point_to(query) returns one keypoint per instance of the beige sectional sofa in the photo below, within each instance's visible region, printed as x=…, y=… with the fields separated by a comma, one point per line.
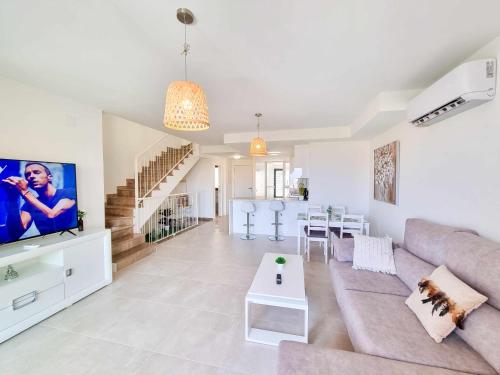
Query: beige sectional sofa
x=386, y=335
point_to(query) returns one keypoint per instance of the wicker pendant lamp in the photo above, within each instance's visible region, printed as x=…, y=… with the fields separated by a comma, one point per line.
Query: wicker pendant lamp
x=185, y=104
x=258, y=145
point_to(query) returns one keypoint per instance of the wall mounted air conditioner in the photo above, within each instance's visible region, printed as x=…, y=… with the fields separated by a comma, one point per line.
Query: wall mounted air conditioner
x=468, y=85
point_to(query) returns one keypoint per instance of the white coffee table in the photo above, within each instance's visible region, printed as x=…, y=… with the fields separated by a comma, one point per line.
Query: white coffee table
x=290, y=294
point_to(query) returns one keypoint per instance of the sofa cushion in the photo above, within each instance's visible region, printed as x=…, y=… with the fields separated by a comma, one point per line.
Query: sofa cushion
x=344, y=277
x=382, y=325
x=298, y=359
x=373, y=254
x=476, y=261
x=425, y=239
x=482, y=333
x=411, y=268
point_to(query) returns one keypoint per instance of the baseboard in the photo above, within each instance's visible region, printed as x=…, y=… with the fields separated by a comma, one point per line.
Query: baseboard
x=205, y=219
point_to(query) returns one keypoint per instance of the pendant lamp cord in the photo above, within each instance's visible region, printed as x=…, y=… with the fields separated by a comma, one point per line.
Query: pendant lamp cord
x=186, y=49
x=258, y=124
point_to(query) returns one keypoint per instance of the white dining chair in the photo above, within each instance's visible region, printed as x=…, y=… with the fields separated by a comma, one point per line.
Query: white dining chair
x=351, y=224
x=314, y=208
x=317, y=231
x=338, y=211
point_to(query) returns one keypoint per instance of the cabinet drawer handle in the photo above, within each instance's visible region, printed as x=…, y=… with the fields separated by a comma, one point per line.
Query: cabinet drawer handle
x=25, y=300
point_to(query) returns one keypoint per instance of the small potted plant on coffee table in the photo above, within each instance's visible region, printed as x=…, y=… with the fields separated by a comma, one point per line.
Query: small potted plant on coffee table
x=280, y=261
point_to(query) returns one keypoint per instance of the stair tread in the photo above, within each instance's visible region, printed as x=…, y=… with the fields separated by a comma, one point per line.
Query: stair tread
x=121, y=227
x=120, y=230
x=131, y=251
x=120, y=206
x=128, y=237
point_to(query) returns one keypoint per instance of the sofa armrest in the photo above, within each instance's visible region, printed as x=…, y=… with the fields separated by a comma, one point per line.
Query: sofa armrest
x=343, y=249
x=297, y=359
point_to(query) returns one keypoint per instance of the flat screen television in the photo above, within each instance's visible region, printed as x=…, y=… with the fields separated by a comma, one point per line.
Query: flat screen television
x=36, y=198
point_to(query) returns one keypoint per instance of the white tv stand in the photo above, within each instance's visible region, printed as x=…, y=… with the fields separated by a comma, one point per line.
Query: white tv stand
x=60, y=271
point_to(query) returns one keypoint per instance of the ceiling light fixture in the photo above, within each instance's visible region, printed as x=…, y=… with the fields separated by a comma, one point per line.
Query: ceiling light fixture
x=258, y=145
x=185, y=104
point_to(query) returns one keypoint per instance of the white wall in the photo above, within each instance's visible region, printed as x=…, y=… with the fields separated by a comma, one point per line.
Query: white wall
x=338, y=173
x=223, y=164
x=39, y=126
x=449, y=172
x=123, y=140
x=201, y=181
x=301, y=158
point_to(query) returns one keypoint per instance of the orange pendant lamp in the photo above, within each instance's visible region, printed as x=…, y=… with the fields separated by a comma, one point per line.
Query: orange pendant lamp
x=186, y=106
x=258, y=145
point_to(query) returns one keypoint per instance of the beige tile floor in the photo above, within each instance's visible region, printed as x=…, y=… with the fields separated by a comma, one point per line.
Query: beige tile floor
x=178, y=311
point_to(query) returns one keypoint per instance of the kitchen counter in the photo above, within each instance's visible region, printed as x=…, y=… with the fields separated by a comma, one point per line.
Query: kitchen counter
x=263, y=216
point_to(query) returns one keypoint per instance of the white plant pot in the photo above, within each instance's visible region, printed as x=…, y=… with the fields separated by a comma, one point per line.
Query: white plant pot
x=280, y=267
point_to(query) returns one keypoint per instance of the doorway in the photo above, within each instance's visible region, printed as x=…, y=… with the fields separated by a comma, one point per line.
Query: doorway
x=216, y=190
x=278, y=183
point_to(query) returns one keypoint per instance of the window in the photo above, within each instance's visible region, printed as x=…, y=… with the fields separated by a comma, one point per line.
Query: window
x=275, y=179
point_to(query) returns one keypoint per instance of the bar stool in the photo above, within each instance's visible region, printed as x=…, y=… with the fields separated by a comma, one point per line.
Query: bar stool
x=248, y=208
x=277, y=207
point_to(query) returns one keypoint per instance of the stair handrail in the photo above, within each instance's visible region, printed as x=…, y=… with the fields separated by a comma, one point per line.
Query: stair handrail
x=148, y=156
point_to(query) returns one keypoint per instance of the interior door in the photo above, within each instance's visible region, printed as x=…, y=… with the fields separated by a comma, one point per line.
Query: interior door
x=243, y=181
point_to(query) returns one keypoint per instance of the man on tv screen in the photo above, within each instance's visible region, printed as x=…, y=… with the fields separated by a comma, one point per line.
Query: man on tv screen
x=50, y=209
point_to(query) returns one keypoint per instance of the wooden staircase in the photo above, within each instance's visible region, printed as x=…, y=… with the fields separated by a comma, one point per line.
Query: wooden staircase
x=127, y=246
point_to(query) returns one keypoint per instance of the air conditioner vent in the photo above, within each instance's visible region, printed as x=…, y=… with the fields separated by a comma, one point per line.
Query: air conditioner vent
x=422, y=121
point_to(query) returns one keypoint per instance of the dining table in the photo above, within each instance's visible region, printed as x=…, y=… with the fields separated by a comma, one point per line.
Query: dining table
x=334, y=221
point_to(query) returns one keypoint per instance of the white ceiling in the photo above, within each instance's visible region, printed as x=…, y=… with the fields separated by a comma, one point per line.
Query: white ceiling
x=301, y=63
